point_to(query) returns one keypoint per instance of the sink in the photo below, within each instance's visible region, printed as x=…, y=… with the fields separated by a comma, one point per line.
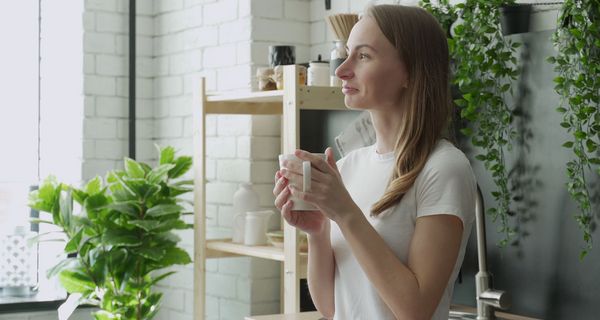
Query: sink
x=460, y=315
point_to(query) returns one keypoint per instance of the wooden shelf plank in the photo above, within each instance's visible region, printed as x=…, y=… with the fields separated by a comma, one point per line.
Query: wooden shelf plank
x=243, y=107
x=270, y=102
x=222, y=248
x=321, y=98
x=246, y=96
x=265, y=252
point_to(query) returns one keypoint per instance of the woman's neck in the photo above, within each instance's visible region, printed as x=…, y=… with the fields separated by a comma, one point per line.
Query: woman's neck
x=386, y=125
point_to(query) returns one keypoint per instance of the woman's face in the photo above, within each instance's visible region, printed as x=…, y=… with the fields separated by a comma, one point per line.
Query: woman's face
x=373, y=76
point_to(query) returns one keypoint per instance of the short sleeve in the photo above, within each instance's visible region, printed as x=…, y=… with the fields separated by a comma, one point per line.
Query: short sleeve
x=446, y=185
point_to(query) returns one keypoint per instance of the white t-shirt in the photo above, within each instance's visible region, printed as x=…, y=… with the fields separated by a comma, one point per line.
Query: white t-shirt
x=446, y=185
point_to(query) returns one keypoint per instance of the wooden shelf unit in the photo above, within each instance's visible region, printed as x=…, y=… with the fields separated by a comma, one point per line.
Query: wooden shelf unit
x=287, y=103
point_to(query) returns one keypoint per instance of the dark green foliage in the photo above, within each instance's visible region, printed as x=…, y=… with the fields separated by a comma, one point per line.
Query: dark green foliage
x=485, y=67
x=577, y=64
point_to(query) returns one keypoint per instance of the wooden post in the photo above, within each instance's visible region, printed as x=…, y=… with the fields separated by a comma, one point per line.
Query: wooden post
x=199, y=141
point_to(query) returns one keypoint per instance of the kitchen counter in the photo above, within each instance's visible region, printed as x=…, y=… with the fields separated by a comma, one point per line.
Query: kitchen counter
x=314, y=315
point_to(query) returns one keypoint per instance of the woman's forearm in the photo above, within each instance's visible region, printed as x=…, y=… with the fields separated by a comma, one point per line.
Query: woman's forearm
x=321, y=270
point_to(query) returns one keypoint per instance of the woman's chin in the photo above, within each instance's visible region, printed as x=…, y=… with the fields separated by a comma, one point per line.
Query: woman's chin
x=352, y=103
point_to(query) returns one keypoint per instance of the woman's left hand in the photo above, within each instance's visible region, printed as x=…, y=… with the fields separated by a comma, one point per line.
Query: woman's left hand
x=327, y=192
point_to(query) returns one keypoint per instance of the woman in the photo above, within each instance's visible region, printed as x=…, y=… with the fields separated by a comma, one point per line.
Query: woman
x=389, y=237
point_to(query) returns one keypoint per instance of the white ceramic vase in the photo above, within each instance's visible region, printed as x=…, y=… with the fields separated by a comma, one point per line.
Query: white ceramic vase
x=244, y=199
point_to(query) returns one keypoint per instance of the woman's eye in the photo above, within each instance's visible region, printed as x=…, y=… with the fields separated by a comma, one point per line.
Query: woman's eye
x=362, y=56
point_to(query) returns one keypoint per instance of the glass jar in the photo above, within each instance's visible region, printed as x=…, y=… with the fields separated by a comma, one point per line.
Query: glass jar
x=278, y=76
x=337, y=57
x=265, y=79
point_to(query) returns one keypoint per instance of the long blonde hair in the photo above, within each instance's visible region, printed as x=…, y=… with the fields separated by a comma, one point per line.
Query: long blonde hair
x=422, y=46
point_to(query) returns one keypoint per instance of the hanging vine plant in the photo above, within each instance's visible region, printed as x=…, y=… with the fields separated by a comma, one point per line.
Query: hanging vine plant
x=486, y=66
x=577, y=64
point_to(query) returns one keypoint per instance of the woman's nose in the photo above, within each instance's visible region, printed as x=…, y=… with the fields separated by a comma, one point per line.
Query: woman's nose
x=344, y=70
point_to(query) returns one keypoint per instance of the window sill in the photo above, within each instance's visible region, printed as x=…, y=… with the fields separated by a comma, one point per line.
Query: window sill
x=42, y=301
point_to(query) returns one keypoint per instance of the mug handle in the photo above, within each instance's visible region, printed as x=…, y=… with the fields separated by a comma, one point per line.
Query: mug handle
x=306, y=176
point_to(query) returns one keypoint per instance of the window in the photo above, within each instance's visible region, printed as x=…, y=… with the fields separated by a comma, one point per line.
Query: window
x=41, y=119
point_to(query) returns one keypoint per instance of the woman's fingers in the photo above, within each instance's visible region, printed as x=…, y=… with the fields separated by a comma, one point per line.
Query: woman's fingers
x=282, y=198
x=316, y=161
x=294, y=171
x=280, y=183
x=286, y=212
x=292, y=177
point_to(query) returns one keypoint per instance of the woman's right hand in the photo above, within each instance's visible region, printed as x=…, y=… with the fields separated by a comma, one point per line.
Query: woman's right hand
x=311, y=222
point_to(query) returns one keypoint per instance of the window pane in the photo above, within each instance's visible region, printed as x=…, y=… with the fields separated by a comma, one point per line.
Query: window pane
x=18, y=91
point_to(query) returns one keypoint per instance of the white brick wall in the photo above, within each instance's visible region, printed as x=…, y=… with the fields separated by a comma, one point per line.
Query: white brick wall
x=106, y=84
x=224, y=41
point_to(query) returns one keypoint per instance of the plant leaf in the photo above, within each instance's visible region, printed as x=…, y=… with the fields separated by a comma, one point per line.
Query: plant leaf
x=160, y=173
x=155, y=254
x=75, y=281
x=134, y=169
x=93, y=186
x=175, y=255
x=120, y=238
x=167, y=155
x=147, y=225
x=182, y=165
x=163, y=209
x=130, y=208
x=73, y=243
x=105, y=315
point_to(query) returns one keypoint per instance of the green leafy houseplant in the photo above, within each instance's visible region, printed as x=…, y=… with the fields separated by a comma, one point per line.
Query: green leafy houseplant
x=485, y=66
x=122, y=236
x=577, y=64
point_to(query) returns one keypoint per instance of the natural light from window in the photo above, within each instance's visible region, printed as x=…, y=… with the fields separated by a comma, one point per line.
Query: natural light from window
x=41, y=114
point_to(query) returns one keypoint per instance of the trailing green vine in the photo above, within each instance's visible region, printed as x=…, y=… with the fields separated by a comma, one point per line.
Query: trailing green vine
x=485, y=68
x=443, y=12
x=577, y=64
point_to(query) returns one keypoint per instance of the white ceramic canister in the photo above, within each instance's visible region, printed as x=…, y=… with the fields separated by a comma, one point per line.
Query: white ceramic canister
x=318, y=73
x=244, y=199
x=255, y=233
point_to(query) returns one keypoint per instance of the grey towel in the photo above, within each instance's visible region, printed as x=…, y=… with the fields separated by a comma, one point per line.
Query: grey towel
x=358, y=134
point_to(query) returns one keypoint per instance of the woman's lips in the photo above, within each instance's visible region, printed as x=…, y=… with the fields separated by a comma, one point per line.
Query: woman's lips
x=349, y=90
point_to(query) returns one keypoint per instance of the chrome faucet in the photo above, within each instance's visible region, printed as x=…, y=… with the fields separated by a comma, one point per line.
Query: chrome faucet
x=487, y=298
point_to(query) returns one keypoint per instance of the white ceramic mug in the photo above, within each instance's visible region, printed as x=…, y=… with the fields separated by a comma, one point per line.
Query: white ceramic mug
x=300, y=205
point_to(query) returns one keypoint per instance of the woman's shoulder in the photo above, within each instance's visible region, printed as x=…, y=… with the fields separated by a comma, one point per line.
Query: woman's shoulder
x=446, y=150
x=447, y=158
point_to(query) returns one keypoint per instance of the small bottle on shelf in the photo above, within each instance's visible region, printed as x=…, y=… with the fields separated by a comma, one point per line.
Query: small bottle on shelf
x=338, y=56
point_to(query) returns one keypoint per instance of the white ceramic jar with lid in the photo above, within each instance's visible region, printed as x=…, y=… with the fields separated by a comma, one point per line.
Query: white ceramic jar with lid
x=255, y=233
x=318, y=73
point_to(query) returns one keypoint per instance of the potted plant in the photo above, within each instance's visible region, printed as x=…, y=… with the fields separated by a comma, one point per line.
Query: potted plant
x=577, y=64
x=515, y=18
x=444, y=12
x=485, y=66
x=122, y=236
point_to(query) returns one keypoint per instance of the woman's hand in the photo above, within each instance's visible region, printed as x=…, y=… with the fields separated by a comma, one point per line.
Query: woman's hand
x=311, y=222
x=328, y=192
